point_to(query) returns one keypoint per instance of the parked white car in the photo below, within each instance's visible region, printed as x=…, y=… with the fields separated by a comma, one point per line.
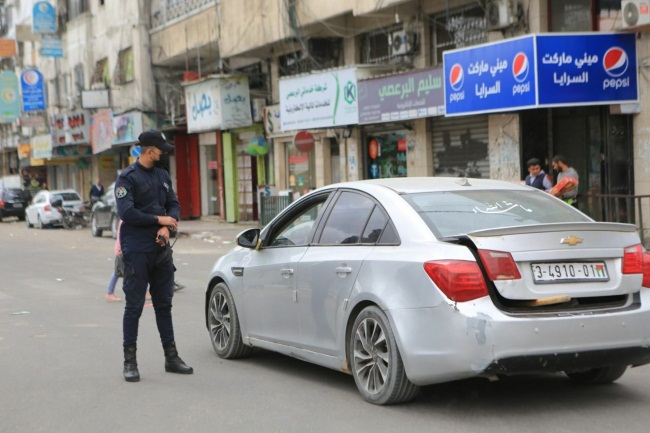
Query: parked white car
x=407, y=282
x=41, y=213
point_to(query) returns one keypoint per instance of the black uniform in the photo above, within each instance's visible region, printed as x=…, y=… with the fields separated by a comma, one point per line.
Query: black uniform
x=142, y=194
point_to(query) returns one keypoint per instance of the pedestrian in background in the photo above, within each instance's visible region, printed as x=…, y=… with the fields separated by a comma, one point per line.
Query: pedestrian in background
x=537, y=177
x=96, y=191
x=570, y=194
x=149, y=209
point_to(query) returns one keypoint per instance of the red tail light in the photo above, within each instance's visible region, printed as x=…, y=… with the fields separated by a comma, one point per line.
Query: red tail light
x=2, y=203
x=47, y=208
x=646, y=269
x=633, y=260
x=459, y=280
x=499, y=265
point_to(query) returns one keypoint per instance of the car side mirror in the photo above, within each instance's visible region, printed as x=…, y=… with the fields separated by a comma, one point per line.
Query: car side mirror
x=249, y=238
x=56, y=202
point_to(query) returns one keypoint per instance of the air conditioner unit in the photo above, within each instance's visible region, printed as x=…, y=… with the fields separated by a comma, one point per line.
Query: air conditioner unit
x=400, y=43
x=500, y=14
x=635, y=12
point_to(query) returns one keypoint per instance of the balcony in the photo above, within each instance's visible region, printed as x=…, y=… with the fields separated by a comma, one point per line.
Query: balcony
x=166, y=12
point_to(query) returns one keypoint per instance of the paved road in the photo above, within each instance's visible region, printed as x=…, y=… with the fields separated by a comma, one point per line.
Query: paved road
x=61, y=363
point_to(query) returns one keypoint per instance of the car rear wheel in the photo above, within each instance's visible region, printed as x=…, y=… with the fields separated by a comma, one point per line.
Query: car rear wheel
x=376, y=364
x=223, y=323
x=96, y=232
x=598, y=375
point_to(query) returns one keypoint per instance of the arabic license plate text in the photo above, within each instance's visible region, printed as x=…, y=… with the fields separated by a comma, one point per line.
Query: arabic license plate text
x=544, y=273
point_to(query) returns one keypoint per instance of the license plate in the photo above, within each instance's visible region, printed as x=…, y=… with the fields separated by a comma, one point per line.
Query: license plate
x=545, y=273
x=18, y=205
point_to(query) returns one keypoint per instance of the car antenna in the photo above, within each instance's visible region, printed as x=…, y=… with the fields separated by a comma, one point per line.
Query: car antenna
x=463, y=181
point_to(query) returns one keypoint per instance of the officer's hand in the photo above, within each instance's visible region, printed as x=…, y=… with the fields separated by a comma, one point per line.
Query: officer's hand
x=162, y=236
x=167, y=221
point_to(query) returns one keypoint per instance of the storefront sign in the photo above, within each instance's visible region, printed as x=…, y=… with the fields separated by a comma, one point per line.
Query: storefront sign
x=218, y=103
x=71, y=128
x=587, y=69
x=7, y=47
x=272, y=126
x=51, y=46
x=33, y=90
x=41, y=146
x=319, y=100
x=542, y=71
x=402, y=97
x=128, y=127
x=9, y=97
x=44, y=18
x=491, y=77
x=101, y=131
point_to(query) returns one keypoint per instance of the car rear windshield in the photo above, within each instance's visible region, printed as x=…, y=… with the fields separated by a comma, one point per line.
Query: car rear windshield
x=66, y=196
x=12, y=194
x=461, y=212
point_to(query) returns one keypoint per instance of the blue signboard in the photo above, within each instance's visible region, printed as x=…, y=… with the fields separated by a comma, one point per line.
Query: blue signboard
x=9, y=97
x=587, y=69
x=492, y=77
x=51, y=46
x=44, y=18
x=542, y=71
x=33, y=90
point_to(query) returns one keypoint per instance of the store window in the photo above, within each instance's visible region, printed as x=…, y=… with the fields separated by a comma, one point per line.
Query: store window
x=584, y=15
x=387, y=155
x=301, y=170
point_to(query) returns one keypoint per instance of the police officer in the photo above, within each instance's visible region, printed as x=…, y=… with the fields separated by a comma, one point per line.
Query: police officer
x=149, y=209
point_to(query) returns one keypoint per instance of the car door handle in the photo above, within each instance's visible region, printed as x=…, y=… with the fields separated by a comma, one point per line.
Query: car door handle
x=344, y=270
x=286, y=272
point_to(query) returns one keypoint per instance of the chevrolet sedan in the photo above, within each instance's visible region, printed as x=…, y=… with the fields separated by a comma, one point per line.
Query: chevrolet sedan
x=408, y=282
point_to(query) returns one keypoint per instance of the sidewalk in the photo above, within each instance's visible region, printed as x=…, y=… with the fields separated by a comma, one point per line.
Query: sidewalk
x=213, y=228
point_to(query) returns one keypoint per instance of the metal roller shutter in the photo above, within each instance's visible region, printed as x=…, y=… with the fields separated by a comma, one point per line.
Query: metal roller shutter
x=460, y=146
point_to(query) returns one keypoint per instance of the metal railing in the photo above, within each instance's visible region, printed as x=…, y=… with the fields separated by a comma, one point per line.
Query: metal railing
x=621, y=208
x=272, y=205
x=166, y=11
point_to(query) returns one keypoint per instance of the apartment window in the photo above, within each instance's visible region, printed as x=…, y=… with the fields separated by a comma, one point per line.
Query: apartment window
x=79, y=82
x=101, y=74
x=124, y=72
x=76, y=8
x=458, y=29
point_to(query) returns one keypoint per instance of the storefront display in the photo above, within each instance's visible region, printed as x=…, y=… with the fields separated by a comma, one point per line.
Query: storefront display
x=387, y=155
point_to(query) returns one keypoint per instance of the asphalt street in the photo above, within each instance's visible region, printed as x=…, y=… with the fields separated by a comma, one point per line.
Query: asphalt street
x=61, y=362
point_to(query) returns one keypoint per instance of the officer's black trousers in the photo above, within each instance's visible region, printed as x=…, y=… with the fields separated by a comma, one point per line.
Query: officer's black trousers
x=142, y=271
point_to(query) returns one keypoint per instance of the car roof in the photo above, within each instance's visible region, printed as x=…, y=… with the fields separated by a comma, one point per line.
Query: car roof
x=411, y=185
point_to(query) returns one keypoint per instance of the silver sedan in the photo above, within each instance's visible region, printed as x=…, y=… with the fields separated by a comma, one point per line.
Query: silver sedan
x=414, y=281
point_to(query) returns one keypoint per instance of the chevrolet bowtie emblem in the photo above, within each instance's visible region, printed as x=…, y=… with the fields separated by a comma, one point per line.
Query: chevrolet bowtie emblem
x=571, y=240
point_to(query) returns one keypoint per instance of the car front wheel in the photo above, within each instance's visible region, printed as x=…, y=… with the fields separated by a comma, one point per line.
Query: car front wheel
x=376, y=364
x=597, y=376
x=223, y=323
x=96, y=232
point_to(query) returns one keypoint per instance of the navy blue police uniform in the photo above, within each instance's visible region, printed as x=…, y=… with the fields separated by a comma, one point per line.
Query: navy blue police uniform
x=142, y=194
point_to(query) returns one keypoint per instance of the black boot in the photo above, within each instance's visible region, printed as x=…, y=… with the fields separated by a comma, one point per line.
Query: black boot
x=174, y=364
x=131, y=373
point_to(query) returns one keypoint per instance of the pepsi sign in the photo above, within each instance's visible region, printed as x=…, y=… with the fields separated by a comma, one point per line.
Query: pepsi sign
x=587, y=69
x=491, y=77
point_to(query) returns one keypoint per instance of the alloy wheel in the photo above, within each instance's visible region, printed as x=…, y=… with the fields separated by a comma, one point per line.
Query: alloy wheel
x=371, y=355
x=220, y=320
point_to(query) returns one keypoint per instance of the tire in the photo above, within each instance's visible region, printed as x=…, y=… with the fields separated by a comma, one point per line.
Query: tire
x=597, y=376
x=223, y=324
x=93, y=227
x=375, y=361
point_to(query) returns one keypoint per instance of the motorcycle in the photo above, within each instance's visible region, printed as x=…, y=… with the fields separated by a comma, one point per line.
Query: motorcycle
x=77, y=215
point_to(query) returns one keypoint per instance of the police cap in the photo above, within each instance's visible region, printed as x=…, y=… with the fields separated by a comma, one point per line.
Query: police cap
x=156, y=139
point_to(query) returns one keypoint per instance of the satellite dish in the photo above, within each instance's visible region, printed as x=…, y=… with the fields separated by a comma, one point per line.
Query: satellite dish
x=631, y=14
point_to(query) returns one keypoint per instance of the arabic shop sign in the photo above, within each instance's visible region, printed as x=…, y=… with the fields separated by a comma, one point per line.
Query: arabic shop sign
x=33, y=90
x=402, y=97
x=71, y=128
x=9, y=97
x=128, y=127
x=218, y=103
x=319, y=100
x=44, y=18
x=542, y=71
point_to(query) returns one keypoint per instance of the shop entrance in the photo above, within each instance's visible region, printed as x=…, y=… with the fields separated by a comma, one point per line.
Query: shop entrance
x=598, y=145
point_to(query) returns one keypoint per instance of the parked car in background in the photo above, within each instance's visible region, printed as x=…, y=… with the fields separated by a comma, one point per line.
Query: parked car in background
x=407, y=282
x=13, y=202
x=104, y=214
x=41, y=213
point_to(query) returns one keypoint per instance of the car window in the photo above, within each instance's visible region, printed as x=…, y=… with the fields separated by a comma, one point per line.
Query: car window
x=69, y=196
x=375, y=226
x=346, y=223
x=298, y=229
x=12, y=194
x=452, y=213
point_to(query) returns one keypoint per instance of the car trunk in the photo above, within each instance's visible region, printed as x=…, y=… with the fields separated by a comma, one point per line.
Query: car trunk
x=562, y=266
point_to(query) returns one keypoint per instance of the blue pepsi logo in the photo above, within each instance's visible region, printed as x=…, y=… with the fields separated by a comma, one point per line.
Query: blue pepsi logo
x=615, y=62
x=456, y=77
x=520, y=67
